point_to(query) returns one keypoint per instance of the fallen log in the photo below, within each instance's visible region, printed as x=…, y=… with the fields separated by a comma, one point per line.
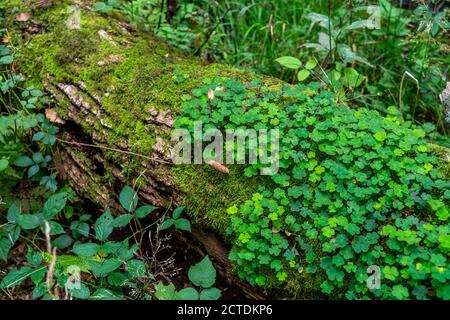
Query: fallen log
x=115, y=101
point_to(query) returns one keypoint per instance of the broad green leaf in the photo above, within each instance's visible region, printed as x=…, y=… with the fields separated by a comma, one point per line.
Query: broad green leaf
x=163, y=292
x=352, y=78
x=104, y=294
x=123, y=220
x=28, y=221
x=5, y=246
x=104, y=226
x=23, y=161
x=15, y=277
x=443, y=292
x=81, y=228
x=86, y=249
x=310, y=64
x=186, y=294
x=34, y=258
x=13, y=213
x=302, y=75
x=62, y=241
x=144, y=211
x=203, y=274
x=117, y=279
x=400, y=292
x=166, y=224
x=177, y=212
x=105, y=267
x=136, y=269
x=289, y=62
x=4, y=163
x=380, y=135
x=54, y=205
x=39, y=290
x=33, y=170
x=210, y=294
x=128, y=199
x=6, y=60
x=55, y=228
x=80, y=291
x=183, y=224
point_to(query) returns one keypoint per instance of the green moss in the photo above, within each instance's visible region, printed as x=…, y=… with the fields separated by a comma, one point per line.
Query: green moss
x=443, y=155
x=207, y=193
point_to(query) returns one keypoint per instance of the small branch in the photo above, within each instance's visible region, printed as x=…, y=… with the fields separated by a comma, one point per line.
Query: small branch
x=112, y=149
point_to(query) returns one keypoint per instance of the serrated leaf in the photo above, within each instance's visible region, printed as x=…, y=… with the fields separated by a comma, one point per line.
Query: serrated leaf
x=13, y=213
x=128, y=199
x=203, y=274
x=117, y=279
x=15, y=277
x=186, y=294
x=28, y=221
x=104, y=226
x=5, y=246
x=163, y=292
x=80, y=291
x=122, y=220
x=103, y=268
x=54, y=205
x=210, y=294
x=104, y=294
x=55, y=228
x=86, y=249
x=144, y=211
x=136, y=269
x=62, y=241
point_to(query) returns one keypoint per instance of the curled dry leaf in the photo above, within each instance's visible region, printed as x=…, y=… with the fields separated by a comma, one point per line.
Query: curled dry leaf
x=219, y=167
x=53, y=117
x=22, y=16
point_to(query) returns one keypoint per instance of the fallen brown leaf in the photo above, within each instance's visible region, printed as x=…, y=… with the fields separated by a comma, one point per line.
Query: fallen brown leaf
x=52, y=116
x=219, y=167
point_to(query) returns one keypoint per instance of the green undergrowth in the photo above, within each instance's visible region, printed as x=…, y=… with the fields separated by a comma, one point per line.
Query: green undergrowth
x=147, y=74
x=354, y=190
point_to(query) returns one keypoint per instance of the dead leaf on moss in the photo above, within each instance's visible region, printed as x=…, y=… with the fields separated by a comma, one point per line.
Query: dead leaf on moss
x=219, y=167
x=53, y=116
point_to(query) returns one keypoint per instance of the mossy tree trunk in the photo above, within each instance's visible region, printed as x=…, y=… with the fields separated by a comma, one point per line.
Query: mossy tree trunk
x=115, y=99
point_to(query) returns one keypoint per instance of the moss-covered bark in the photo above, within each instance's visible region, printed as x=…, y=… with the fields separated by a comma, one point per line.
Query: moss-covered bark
x=114, y=87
